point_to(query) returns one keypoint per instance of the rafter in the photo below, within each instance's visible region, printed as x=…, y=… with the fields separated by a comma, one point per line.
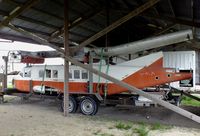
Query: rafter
x=27, y=19
x=171, y=7
x=165, y=29
x=17, y=11
x=33, y=30
x=119, y=22
x=76, y=22
x=35, y=9
x=174, y=20
x=128, y=5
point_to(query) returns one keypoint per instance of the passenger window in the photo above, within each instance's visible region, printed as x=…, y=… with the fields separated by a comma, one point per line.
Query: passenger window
x=76, y=74
x=41, y=73
x=84, y=74
x=70, y=74
x=55, y=73
x=48, y=73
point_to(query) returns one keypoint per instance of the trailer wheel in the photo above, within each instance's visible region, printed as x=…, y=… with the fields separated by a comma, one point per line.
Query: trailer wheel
x=72, y=105
x=88, y=106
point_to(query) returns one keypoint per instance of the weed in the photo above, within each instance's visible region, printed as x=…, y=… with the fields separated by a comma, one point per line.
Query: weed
x=158, y=126
x=141, y=130
x=121, y=125
x=189, y=101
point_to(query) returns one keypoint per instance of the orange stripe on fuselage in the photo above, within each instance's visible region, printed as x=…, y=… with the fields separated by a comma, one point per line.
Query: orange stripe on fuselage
x=145, y=77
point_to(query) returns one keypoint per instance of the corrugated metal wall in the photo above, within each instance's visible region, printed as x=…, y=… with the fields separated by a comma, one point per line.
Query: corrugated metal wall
x=184, y=60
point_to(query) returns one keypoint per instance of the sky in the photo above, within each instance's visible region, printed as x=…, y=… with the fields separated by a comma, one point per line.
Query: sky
x=6, y=46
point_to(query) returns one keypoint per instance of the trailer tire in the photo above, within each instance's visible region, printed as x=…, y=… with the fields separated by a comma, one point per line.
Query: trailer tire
x=72, y=105
x=89, y=106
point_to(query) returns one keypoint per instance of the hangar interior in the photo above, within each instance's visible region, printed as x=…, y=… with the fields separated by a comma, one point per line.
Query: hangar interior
x=99, y=23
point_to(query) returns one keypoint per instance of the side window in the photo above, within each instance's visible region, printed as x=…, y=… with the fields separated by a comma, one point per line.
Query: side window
x=41, y=73
x=55, y=73
x=84, y=74
x=76, y=74
x=48, y=73
x=70, y=74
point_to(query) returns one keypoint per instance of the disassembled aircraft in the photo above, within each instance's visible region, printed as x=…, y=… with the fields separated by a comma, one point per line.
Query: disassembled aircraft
x=88, y=90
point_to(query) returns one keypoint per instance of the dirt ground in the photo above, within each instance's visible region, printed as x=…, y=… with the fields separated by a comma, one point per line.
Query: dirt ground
x=42, y=118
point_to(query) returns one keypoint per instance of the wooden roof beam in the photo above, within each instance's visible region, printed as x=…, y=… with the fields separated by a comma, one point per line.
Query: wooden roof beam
x=171, y=8
x=35, y=9
x=75, y=23
x=117, y=23
x=174, y=20
x=17, y=11
x=164, y=29
x=27, y=19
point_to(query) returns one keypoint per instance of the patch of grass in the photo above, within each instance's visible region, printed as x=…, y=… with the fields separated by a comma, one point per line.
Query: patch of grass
x=190, y=102
x=10, y=86
x=124, y=126
x=158, y=126
x=141, y=130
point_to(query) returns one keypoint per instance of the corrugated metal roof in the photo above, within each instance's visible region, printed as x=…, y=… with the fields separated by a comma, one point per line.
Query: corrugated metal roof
x=45, y=18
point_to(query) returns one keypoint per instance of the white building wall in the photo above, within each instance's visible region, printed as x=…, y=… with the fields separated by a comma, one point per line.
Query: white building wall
x=183, y=60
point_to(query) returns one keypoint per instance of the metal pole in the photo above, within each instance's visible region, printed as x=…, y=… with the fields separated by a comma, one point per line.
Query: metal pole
x=66, y=65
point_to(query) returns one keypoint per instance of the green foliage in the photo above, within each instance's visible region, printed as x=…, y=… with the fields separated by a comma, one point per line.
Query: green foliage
x=124, y=126
x=141, y=130
x=190, y=102
x=158, y=126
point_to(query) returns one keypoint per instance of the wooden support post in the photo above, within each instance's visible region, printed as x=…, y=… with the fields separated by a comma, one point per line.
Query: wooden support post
x=90, y=73
x=66, y=50
x=5, y=58
x=31, y=86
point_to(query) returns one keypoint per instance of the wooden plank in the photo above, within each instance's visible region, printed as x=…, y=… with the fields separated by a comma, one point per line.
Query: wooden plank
x=119, y=22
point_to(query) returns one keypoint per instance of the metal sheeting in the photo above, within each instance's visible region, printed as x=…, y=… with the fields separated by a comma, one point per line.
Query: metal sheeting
x=45, y=18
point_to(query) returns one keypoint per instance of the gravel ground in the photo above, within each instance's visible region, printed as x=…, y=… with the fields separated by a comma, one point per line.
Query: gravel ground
x=42, y=118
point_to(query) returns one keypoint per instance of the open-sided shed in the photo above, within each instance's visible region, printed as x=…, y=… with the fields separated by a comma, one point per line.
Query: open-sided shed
x=95, y=23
